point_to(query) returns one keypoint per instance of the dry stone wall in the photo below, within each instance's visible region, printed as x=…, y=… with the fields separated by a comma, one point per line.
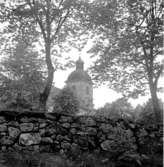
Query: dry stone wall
x=72, y=134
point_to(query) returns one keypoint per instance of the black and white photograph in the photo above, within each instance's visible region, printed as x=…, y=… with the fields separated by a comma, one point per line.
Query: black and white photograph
x=81, y=83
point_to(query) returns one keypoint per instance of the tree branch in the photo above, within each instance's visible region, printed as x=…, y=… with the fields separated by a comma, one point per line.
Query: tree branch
x=138, y=26
x=37, y=19
x=58, y=9
x=60, y=23
x=158, y=52
x=158, y=74
x=60, y=3
x=48, y=24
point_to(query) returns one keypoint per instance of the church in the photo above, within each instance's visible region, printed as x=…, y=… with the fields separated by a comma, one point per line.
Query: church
x=81, y=84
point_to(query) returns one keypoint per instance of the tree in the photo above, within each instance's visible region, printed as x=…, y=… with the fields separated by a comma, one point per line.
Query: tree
x=53, y=20
x=22, y=75
x=129, y=47
x=66, y=102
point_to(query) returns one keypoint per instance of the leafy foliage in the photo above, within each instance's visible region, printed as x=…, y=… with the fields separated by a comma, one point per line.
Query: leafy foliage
x=121, y=59
x=119, y=109
x=22, y=76
x=147, y=115
x=66, y=102
x=45, y=23
x=129, y=52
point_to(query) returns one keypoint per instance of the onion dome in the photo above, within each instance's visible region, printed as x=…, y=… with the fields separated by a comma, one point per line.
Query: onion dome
x=79, y=74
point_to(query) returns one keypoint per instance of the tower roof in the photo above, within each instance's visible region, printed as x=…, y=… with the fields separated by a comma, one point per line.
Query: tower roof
x=79, y=64
x=79, y=74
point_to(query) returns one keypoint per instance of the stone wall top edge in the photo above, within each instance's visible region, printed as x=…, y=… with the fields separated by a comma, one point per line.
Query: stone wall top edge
x=13, y=113
x=36, y=113
x=16, y=115
x=23, y=113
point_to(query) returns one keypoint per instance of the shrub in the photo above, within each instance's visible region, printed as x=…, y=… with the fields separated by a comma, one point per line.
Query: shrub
x=119, y=109
x=147, y=115
x=66, y=102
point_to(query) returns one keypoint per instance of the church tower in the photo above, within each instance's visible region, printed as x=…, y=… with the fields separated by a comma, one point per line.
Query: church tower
x=81, y=84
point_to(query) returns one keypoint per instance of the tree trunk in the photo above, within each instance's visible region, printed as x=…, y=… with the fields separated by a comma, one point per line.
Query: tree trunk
x=44, y=95
x=155, y=103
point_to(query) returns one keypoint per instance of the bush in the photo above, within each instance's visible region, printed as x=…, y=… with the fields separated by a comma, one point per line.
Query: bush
x=119, y=109
x=147, y=115
x=66, y=102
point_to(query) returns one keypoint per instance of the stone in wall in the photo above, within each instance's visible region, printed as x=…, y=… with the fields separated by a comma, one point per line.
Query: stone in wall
x=6, y=140
x=3, y=127
x=83, y=142
x=75, y=125
x=61, y=130
x=106, y=145
x=42, y=125
x=88, y=121
x=25, y=119
x=28, y=139
x=2, y=120
x=66, y=125
x=72, y=136
x=75, y=149
x=101, y=136
x=73, y=131
x=66, y=138
x=66, y=119
x=106, y=128
x=49, y=131
x=26, y=127
x=65, y=145
x=13, y=132
x=91, y=131
x=46, y=140
x=13, y=124
x=42, y=132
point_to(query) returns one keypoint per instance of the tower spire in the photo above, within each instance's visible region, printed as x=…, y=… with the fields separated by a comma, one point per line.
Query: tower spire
x=79, y=64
